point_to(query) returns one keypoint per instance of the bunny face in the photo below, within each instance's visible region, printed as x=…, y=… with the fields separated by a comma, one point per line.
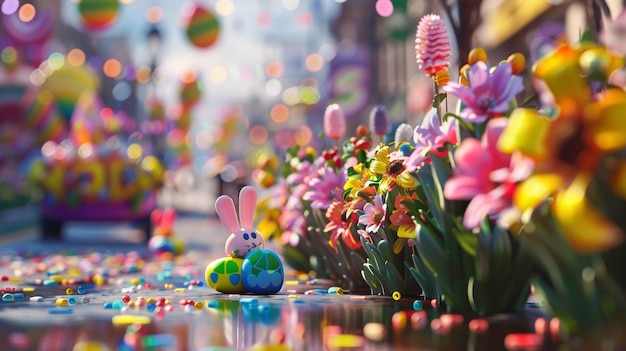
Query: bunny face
x=243, y=241
x=243, y=237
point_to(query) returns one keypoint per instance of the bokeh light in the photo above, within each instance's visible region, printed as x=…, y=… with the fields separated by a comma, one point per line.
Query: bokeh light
x=309, y=95
x=76, y=57
x=134, y=151
x=291, y=4
x=126, y=1
x=189, y=77
x=224, y=7
x=263, y=19
x=176, y=138
x=37, y=77
x=143, y=74
x=258, y=134
x=279, y=113
x=384, y=8
x=9, y=55
x=85, y=150
x=303, y=136
x=219, y=74
x=304, y=19
x=204, y=139
x=56, y=60
x=314, y=62
x=121, y=91
x=154, y=14
x=291, y=96
x=27, y=13
x=112, y=68
x=9, y=6
x=274, y=69
x=273, y=87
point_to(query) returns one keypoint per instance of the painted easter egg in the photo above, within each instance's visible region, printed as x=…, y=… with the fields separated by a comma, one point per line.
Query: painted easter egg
x=262, y=272
x=202, y=28
x=161, y=244
x=97, y=15
x=253, y=311
x=224, y=275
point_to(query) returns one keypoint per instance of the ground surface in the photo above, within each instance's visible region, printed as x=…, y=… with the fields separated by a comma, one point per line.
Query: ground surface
x=112, y=294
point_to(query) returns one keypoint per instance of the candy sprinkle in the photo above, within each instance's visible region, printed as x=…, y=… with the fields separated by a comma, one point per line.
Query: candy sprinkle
x=339, y=341
x=127, y=319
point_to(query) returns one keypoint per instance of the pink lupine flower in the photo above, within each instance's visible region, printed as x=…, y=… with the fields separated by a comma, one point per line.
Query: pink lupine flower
x=432, y=45
x=488, y=94
x=374, y=214
x=334, y=122
x=431, y=137
x=485, y=175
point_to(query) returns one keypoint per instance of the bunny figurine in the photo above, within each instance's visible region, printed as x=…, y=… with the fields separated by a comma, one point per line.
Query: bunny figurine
x=248, y=267
x=163, y=241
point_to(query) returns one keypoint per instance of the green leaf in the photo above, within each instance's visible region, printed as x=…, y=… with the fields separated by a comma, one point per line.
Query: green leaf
x=432, y=255
x=394, y=280
x=438, y=99
x=371, y=280
x=377, y=273
x=373, y=254
x=467, y=240
x=386, y=250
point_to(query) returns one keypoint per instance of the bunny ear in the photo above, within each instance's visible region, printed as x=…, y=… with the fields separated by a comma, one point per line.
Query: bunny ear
x=225, y=208
x=169, y=216
x=156, y=216
x=247, y=205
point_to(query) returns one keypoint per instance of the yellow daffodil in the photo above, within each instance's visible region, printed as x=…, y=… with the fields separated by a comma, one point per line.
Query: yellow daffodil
x=567, y=150
x=392, y=171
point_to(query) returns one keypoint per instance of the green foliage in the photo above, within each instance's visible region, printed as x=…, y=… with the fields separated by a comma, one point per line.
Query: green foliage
x=577, y=288
x=380, y=271
x=482, y=272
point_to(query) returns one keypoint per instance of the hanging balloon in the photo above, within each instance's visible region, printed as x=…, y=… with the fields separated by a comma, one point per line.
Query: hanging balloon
x=190, y=92
x=67, y=84
x=202, y=28
x=97, y=15
x=42, y=117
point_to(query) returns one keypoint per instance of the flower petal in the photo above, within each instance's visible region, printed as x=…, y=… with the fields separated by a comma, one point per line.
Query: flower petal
x=527, y=132
x=534, y=190
x=584, y=227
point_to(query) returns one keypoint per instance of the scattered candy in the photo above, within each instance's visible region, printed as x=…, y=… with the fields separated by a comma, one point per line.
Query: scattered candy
x=523, y=342
x=61, y=310
x=478, y=326
x=127, y=319
x=374, y=331
x=417, y=305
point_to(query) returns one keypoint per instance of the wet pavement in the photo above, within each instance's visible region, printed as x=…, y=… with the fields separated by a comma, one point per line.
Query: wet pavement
x=101, y=289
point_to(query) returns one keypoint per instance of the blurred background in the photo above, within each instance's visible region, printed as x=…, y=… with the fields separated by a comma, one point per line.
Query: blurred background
x=129, y=101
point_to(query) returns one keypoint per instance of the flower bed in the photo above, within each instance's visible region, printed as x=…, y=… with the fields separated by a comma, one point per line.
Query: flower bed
x=520, y=186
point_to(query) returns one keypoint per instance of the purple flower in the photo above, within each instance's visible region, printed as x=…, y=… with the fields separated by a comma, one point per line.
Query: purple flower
x=431, y=136
x=374, y=215
x=326, y=188
x=488, y=95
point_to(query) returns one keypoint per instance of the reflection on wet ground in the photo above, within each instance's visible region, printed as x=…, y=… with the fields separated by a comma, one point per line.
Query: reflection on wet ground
x=112, y=295
x=193, y=317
